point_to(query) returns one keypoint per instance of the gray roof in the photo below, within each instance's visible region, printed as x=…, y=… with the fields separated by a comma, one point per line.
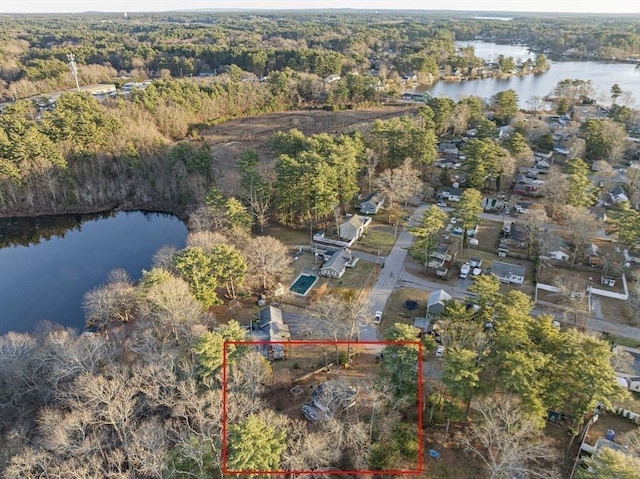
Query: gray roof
x=507, y=269
x=617, y=191
x=338, y=260
x=272, y=324
x=438, y=297
x=374, y=197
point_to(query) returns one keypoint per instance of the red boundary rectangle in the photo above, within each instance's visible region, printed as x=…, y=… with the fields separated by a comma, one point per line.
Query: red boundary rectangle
x=417, y=471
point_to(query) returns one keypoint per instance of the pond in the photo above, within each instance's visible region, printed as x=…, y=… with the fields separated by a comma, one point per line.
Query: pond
x=601, y=74
x=48, y=263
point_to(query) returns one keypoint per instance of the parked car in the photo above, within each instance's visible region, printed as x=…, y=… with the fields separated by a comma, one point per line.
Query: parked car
x=377, y=317
x=439, y=351
x=441, y=204
x=464, y=271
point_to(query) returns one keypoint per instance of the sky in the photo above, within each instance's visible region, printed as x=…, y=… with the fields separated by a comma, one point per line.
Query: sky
x=578, y=6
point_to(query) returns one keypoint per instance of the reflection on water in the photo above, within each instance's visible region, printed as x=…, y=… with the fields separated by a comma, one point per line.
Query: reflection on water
x=48, y=263
x=601, y=74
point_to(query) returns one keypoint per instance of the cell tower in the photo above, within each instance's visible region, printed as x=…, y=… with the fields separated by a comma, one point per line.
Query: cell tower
x=74, y=68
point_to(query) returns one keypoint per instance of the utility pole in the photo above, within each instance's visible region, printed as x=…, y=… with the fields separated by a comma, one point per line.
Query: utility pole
x=74, y=68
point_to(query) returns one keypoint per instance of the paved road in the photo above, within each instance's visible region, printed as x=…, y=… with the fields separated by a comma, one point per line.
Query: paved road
x=390, y=271
x=393, y=275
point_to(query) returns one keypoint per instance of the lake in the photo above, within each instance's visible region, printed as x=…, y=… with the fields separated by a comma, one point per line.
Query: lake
x=602, y=75
x=52, y=261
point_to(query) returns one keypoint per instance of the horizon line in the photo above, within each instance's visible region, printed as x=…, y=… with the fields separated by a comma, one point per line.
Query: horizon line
x=302, y=9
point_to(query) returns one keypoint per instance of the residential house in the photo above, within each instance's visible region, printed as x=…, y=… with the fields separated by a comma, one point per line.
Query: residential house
x=523, y=206
x=372, y=203
x=450, y=194
x=448, y=148
x=336, y=264
x=272, y=328
x=557, y=249
x=618, y=195
x=508, y=273
x=504, y=131
x=439, y=256
x=542, y=164
x=517, y=237
x=492, y=204
x=436, y=302
x=449, y=163
x=354, y=227
x=543, y=155
x=562, y=150
x=526, y=186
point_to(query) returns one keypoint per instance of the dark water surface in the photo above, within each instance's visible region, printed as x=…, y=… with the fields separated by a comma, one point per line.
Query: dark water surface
x=47, y=264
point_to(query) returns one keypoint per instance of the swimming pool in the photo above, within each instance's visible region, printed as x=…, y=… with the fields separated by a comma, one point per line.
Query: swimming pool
x=303, y=284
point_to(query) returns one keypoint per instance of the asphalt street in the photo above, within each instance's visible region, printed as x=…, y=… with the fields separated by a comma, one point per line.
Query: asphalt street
x=393, y=275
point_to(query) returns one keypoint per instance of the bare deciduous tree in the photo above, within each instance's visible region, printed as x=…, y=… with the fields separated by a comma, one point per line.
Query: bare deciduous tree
x=268, y=260
x=207, y=240
x=509, y=443
x=171, y=307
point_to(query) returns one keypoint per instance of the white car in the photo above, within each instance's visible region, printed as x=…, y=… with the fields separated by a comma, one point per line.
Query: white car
x=377, y=317
x=439, y=351
x=441, y=204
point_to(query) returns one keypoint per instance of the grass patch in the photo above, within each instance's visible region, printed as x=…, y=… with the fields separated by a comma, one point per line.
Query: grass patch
x=379, y=238
x=288, y=236
x=358, y=279
x=628, y=342
x=395, y=312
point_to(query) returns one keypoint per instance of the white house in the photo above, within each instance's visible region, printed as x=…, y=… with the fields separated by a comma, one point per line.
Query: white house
x=618, y=195
x=451, y=194
x=436, y=302
x=508, y=273
x=372, y=203
x=336, y=264
x=353, y=228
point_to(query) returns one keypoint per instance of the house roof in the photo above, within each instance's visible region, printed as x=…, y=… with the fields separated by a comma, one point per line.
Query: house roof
x=507, y=269
x=272, y=324
x=452, y=191
x=440, y=251
x=374, y=197
x=618, y=191
x=357, y=221
x=524, y=204
x=438, y=297
x=338, y=260
x=518, y=232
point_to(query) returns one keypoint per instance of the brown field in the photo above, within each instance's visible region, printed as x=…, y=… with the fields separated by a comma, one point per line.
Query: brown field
x=251, y=132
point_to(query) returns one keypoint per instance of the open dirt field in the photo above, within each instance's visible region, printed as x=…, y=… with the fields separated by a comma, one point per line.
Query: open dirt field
x=253, y=131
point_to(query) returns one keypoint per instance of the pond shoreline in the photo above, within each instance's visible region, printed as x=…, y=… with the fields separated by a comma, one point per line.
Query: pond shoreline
x=179, y=212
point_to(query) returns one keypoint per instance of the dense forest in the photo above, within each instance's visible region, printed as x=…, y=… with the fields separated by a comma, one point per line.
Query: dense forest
x=84, y=155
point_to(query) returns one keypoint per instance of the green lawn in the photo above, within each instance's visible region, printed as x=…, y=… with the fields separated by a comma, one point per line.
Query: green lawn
x=378, y=238
x=395, y=312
